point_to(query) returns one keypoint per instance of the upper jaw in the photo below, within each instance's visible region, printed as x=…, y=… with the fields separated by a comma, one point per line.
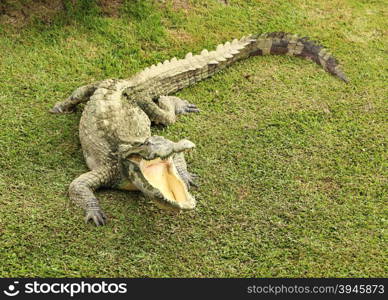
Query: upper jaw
x=138, y=158
x=161, y=180
x=150, y=151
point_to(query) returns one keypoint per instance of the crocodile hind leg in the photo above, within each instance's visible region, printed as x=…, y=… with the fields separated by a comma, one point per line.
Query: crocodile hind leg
x=181, y=166
x=81, y=192
x=81, y=94
x=166, y=109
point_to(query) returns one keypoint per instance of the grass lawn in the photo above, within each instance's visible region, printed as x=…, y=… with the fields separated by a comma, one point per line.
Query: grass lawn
x=292, y=161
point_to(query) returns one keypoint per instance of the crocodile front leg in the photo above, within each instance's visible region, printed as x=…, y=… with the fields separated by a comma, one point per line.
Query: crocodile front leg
x=81, y=94
x=81, y=192
x=165, y=110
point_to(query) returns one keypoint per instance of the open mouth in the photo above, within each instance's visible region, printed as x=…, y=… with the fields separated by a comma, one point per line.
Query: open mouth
x=162, y=175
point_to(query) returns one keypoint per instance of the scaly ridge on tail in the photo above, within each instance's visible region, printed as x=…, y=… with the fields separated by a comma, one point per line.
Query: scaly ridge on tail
x=172, y=75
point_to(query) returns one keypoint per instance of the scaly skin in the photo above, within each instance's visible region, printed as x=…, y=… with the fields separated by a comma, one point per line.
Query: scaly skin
x=115, y=125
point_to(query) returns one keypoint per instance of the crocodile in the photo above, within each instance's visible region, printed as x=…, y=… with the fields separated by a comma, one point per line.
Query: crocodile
x=115, y=132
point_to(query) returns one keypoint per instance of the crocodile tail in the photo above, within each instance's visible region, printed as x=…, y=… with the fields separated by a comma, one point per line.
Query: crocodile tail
x=280, y=43
x=175, y=74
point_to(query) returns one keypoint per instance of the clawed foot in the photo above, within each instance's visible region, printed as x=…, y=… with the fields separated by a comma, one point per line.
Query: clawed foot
x=61, y=108
x=184, y=106
x=97, y=215
x=192, y=179
x=189, y=178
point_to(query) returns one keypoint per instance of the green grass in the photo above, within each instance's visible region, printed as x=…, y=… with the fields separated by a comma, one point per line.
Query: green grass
x=293, y=162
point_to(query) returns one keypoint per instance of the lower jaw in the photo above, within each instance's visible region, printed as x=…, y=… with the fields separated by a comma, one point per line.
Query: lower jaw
x=176, y=206
x=166, y=206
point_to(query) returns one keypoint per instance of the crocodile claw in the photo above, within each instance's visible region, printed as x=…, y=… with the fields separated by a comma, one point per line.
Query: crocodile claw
x=192, y=179
x=60, y=108
x=191, y=108
x=98, y=217
x=183, y=106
